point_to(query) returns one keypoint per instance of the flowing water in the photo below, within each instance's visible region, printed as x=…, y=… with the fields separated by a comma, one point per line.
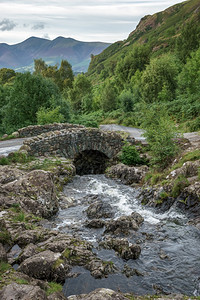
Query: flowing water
x=170, y=256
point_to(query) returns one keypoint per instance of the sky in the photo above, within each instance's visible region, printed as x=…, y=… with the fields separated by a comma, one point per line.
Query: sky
x=84, y=20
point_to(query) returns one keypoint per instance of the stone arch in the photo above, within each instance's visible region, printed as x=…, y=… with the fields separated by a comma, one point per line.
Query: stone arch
x=90, y=162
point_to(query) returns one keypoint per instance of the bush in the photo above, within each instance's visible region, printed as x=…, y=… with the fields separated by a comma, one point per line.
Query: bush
x=49, y=115
x=130, y=156
x=179, y=184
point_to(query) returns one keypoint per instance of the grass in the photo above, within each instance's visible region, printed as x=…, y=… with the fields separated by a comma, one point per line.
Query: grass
x=53, y=288
x=191, y=156
x=5, y=237
x=179, y=184
x=46, y=164
x=16, y=157
x=21, y=281
x=19, y=218
x=4, y=267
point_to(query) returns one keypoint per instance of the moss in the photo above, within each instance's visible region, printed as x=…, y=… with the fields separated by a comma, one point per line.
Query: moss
x=21, y=281
x=179, y=184
x=4, y=267
x=53, y=288
x=57, y=263
x=67, y=253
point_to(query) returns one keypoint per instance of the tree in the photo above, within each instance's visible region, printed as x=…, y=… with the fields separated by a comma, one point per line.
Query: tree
x=28, y=93
x=65, y=76
x=126, y=100
x=82, y=87
x=49, y=115
x=160, y=78
x=6, y=75
x=109, y=97
x=160, y=133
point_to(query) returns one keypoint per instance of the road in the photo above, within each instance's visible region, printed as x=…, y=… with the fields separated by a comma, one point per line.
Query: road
x=133, y=132
x=8, y=146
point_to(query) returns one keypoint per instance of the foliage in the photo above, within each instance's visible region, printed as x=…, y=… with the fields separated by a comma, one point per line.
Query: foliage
x=16, y=157
x=49, y=115
x=179, y=184
x=109, y=97
x=130, y=156
x=159, y=80
x=190, y=156
x=160, y=133
x=6, y=75
x=53, y=288
x=27, y=95
x=126, y=99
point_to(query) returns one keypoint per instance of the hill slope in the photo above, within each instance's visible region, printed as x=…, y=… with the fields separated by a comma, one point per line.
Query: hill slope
x=158, y=31
x=21, y=56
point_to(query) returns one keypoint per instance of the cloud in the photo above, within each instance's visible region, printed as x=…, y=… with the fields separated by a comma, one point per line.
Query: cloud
x=7, y=25
x=38, y=26
x=46, y=36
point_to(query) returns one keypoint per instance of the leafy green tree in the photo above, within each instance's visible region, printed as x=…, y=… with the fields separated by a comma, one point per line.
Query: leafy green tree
x=6, y=75
x=109, y=97
x=160, y=78
x=188, y=40
x=160, y=133
x=82, y=87
x=65, y=76
x=49, y=115
x=126, y=100
x=40, y=67
x=28, y=93
x=189, y=78
x=135, y=60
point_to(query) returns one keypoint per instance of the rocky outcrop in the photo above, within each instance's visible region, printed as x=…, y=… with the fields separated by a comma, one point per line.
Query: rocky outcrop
x=124, y=224
x=100, y=294
x=99, y=210
x=23, y=292
x=34, y=191
x=124, y=249
x=128, y=175
x=46, y=265
x=3, y=255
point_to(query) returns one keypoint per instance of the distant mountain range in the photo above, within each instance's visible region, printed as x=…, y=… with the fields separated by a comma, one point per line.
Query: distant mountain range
x=21, y=56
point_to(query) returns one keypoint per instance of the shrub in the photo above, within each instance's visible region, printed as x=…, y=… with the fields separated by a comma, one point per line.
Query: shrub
x=130, y=156
x=179, y=184
x=49, y=115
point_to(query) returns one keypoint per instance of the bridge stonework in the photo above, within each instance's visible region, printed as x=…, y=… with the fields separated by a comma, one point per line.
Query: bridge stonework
x=71, y=142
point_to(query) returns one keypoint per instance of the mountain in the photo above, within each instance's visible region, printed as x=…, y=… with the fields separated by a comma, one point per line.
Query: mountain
x=158, y=31
x=21, y=56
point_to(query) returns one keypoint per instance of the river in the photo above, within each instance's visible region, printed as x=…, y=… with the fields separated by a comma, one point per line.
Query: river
x=170, y=256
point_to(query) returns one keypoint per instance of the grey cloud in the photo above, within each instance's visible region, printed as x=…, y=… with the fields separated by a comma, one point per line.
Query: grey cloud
x=7, y=25
x=38, y=26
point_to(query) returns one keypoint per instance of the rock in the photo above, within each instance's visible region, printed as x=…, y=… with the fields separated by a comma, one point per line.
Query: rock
x=9, y=174
x=46, y=265
x=124, y=224
x=57, y=296
x=128, y=175
x=15, y=134
x=125, y=249
x=36, y=192
x=28, y=251
x=99, y=210
x=95, y=223
x=3, y=255
x=189, y=169
x=100, y=294
x=16, y=291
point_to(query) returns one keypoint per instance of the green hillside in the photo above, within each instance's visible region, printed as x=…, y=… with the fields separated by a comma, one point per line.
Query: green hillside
x=158, y=32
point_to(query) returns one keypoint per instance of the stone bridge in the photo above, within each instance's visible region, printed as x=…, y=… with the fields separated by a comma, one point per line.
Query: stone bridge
x=90, y=148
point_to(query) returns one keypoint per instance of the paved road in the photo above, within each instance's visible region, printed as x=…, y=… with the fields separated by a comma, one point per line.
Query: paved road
x=10, y=145
x=134, y=132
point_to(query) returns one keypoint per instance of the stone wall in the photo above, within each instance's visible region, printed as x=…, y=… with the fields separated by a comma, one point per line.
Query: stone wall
x=34, y=130
x=69, y=143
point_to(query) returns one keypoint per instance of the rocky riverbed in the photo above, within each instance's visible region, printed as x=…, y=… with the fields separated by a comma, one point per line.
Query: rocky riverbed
x=94, y=238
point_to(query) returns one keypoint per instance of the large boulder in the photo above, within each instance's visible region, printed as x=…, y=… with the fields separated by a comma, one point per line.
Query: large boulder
x=123, y=248
x=100, y=294
x=46, y=265
x=16, y=291
x=99, y=210
x=124, y=224
x=128, y=175
x=35, y=191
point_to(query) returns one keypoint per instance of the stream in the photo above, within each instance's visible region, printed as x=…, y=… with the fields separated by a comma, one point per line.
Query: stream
x=170, y=256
